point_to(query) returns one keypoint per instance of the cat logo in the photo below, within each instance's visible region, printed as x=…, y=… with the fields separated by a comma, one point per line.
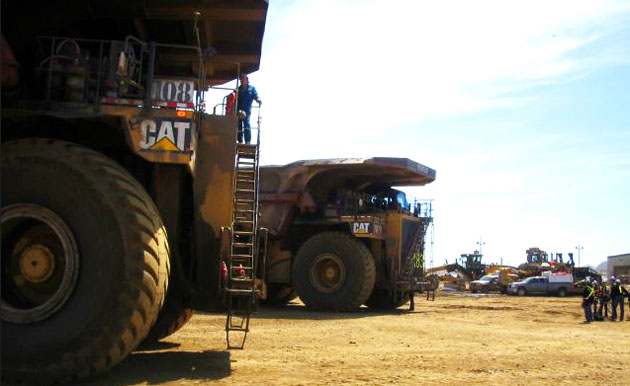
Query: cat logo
x=165, y=134
x=361, y=227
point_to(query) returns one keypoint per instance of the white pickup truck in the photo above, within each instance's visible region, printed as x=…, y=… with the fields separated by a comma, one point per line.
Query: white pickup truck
x=556, y=284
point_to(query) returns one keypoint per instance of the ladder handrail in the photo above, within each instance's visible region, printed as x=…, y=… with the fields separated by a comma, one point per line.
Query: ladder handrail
x=244, y=252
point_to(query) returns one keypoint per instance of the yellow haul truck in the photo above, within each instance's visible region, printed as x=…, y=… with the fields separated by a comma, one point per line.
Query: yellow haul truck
x=340, y=236
x=124, y=205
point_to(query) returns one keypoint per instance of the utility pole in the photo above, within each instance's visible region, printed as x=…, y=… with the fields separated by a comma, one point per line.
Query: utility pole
x=481, y=244
x=579, y=248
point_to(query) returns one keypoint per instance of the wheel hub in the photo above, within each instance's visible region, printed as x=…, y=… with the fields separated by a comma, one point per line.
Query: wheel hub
x=40, y=263
x=37, y=263
x=327, y=273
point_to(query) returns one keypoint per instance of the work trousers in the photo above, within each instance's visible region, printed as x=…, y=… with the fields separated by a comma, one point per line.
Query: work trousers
x=588, y=311
x=602, y=311
x=244, y=129
x=618, y=301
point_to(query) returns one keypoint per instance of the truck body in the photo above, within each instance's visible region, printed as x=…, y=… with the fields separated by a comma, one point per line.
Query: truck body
x=498, y=281
x=340, y=236
x=120, y=194
x=549, y=284
x=497, y=278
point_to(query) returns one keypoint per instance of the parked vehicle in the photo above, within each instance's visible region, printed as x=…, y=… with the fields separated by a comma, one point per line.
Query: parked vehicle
x=125, y=204
x=558, y=284
x=340, y=236
x=486, y=283
x=497, y=281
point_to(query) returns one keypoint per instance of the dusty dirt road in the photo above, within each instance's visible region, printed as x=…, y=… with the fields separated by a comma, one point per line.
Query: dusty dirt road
x=457, y=339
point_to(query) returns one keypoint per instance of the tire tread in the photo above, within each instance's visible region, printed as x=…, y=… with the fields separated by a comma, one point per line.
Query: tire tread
x=146, y=261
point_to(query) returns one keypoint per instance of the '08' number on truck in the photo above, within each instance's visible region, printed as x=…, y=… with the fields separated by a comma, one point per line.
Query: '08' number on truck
x=178, y=91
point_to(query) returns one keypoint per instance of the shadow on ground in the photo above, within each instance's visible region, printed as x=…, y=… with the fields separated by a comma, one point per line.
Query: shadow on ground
x=301, y=312
x=158, y=367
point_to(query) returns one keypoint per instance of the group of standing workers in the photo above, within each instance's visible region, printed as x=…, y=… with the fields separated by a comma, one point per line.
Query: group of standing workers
x=596, y=298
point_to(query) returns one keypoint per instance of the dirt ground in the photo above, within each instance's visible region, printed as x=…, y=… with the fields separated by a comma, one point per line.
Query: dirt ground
x=456, y=339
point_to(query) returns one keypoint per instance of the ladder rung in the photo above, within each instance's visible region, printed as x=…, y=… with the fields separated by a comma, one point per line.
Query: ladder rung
x=245, y=190
x=241, y=291
x=238, y=329
x=244, y=233
x=242, y=245
x=241, y=280
x=241, y=256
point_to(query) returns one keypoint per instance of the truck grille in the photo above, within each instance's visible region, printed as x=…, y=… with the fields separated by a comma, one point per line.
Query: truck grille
x=409, y=232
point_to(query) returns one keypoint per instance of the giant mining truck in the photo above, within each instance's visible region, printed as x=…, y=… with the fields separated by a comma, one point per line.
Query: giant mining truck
x=341, y=236
x=124, y=205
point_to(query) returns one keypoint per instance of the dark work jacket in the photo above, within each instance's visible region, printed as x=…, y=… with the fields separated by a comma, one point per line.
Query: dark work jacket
x=246, y=95
x=616, y=290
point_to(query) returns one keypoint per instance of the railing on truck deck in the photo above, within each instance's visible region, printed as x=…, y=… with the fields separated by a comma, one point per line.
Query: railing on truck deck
x=82, y=72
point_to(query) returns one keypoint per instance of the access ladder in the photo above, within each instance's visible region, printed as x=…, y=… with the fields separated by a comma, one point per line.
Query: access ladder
x=241, y=292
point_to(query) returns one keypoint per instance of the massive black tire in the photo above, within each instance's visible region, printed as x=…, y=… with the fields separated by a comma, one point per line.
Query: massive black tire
x=279, y=294
x=84, y=262
x=333, y=271
x=172, y=317
x=384, y=300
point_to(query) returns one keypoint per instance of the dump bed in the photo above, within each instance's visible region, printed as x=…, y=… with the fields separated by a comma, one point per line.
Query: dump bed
x=307, y=185
x=351, y=173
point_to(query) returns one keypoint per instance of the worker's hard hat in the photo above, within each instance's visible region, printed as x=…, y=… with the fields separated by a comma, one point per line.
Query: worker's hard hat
x=595, y=283
x=617, y=281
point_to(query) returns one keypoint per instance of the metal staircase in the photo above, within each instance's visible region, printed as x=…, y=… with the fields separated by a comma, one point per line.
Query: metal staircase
x=241, y=291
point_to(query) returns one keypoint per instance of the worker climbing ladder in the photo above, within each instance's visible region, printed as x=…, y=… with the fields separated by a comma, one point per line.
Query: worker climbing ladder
x=242, y=260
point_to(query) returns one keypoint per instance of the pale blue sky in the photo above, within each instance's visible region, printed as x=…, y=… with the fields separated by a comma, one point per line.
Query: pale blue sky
x=522, y=108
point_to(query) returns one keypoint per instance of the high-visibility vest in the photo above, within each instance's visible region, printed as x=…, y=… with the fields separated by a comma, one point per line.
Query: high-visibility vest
x=591, y=291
